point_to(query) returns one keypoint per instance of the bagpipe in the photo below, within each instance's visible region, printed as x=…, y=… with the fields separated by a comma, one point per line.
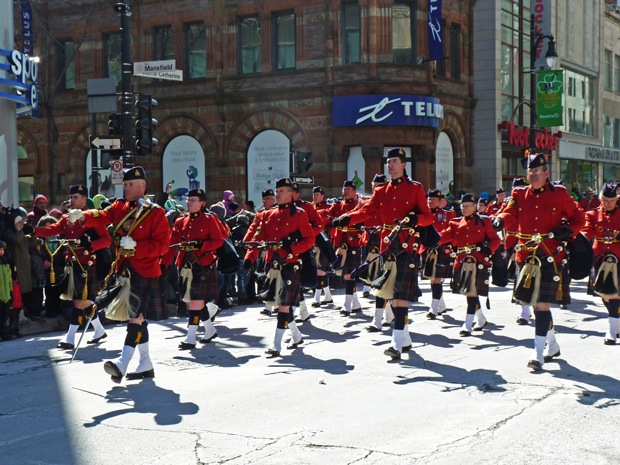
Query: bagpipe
x=606, y=278
x=473, y=274
x=527, y=287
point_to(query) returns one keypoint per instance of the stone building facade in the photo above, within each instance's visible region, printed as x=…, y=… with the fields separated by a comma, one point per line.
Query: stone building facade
x=272, y=67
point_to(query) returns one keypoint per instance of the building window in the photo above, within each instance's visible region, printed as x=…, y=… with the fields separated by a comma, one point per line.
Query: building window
x=455, y=51
x=112, y=60
x=61, y=182
x=25, y=186
x=611, y=132
x=351, y=33
x=284, y=40
x=515, y=38
x=195, y=51
x=617, y=73
x=21, y=152
x=403, y=33
x=579, y=104
x=249, y=44
x=440, y=65
x=163, y=43
x=65, y=64
x=607, y=70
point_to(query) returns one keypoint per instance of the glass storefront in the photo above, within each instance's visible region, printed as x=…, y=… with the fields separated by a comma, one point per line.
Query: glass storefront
x=579, y=174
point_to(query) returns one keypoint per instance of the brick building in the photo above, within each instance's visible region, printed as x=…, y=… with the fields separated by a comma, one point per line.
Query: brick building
x=262, y=81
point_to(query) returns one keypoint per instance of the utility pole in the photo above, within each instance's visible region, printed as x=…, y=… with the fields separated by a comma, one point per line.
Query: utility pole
x=127, y=104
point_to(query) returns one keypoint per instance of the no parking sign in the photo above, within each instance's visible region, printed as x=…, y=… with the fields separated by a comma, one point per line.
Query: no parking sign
x=117, y=172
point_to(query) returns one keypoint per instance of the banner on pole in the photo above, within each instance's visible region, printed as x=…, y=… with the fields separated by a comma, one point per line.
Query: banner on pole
x=435, y=31
x=549, y=92
x=541, y=12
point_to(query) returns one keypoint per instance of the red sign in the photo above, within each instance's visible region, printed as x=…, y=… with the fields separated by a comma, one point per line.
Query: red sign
x=520, y=136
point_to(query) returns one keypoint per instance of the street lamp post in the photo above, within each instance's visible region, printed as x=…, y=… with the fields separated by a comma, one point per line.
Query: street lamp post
x=552, y=58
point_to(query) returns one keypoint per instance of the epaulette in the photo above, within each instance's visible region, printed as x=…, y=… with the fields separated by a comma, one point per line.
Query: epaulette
x=457, y=219
x=520, y=188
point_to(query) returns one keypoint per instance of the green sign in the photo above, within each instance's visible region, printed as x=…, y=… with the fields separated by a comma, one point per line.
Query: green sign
x=549, y=91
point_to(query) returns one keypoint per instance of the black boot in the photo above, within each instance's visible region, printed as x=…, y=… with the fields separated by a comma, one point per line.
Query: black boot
x=14, y=322
x=5, y=332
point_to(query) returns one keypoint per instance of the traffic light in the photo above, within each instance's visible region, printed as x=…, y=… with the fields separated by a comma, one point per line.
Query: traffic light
x=144, y=124
x=302, y=162
x=115, y=125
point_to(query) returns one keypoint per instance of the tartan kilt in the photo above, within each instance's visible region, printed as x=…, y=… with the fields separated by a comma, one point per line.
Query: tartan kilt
x=374, y=240
x=291, y=284
x=443, y=266
x=482, y=280
x=147, y=290
x=204, y=283
x=548, y=287
x=90, y=278
x=354, y=260
x=407, y=267
x=321, y=260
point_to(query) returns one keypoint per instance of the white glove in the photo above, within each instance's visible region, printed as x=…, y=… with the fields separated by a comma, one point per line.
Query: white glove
x=128, y=243
x=76, y=215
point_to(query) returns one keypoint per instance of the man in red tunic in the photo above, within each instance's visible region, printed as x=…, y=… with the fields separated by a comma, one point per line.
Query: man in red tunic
x=537, y=212
x=142, y=234
x=603, y=226
x=81, y=258
x=475, y=241
x=198, y=235
x=349, y=240
x=288, y=230
x=440, y=256
x=404, y=201
x=318, y=223
x=322, y=207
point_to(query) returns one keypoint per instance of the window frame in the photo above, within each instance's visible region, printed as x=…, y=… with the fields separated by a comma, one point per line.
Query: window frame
x=275, y=42
x=156, y=55
x=412, y=31
x=106, y=56
x=345, y=46
x=61, y=61
x=607, y=69
x=187, y=50
x=455, y=51
x=240, y=20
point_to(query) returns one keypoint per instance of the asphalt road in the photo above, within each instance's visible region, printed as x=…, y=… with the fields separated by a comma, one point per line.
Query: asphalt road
x=335, y=400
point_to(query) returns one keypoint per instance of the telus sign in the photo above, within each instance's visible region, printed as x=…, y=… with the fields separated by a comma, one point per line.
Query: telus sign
x=387, y=110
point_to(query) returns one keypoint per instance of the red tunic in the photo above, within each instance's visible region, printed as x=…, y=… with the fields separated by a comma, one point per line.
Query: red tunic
x=152, y=235
x=393, y=201
x=470, y=232
x=532, y=211
x=600, y=225
x=589, y=205
x=317, y=221
x=74, y=231
x=254, y=226
x=196, y=227
x=352, y=234
x=277, y=224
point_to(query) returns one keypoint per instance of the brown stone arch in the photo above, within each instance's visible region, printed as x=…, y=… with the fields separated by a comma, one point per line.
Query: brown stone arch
x=250, y=126
x=179, y=125
x=26, y=140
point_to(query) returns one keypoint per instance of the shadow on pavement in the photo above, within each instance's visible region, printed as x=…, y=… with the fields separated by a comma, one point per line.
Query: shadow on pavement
x=301, y=361
x=148, y=398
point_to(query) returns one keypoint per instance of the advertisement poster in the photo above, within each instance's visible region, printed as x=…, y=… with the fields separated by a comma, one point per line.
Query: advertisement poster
x=268, y=160
x=183, y=166
x=444, y=163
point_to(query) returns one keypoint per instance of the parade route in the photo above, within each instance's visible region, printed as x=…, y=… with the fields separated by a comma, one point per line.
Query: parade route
x=337, y=399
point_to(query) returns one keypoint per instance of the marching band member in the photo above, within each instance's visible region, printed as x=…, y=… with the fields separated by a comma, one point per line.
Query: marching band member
x=323, y=265
x=289, y=233
x=537, y=212
x=603, y=225
x=82, y=262
x=349, y=241
x=404, y=201
x=198, y=236
x=473, y=236
x=437, y=265
x=142, y=235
